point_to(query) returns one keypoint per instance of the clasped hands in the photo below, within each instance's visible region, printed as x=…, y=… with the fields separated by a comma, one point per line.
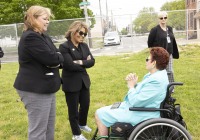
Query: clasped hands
x=80, y=62
x=131, y=79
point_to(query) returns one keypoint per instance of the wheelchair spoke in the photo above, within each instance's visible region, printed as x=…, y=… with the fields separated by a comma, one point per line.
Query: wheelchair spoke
x=164, y=129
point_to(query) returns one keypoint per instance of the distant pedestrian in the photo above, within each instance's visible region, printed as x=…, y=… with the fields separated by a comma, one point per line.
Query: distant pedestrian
x=162, y=36
x=1, y=55
x=38, y=78
x=76, y=81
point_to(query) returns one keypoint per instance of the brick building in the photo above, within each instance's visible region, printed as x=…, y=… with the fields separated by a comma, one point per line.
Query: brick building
x=192, y=18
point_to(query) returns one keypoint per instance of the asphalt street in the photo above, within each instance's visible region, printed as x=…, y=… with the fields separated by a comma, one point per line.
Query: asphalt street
x=132, y=45
x=128, y=45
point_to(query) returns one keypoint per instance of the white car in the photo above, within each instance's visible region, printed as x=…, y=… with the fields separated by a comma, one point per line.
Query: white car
x=112, y=38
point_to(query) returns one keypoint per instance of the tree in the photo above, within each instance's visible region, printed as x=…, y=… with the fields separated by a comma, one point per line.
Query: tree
x=147, y=17
x=145, y=20
x=12, y=11
x=124, y=31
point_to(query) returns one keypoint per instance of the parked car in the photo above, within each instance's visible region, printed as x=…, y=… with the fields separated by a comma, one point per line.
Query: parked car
x=112, y=38
x=128, y=35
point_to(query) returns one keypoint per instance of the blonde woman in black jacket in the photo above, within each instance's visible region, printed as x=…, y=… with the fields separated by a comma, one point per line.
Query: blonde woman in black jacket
x=162, y=36
x=38, y=78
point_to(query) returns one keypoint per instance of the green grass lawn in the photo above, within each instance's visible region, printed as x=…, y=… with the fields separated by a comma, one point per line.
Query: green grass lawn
x=108, y=86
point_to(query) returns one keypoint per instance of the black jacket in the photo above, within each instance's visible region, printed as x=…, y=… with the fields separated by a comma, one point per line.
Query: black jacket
x=158, y=39
x=74, y=75
x=1, y=53
x=38, y=58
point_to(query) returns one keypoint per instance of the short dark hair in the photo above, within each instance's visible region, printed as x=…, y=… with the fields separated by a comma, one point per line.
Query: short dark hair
x=161, y=56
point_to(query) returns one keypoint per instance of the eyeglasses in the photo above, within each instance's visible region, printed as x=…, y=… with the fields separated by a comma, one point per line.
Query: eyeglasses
x=81, y=33
x=147, y=59
x=163, y=18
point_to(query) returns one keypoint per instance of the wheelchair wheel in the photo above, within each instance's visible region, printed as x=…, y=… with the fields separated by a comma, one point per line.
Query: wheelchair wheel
x=160, y=129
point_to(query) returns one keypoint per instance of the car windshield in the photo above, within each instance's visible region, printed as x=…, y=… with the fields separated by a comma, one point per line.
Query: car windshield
x=111, y=34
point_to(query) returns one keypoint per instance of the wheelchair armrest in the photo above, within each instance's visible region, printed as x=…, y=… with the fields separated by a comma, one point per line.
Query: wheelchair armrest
x=143, y=109
x=149, y=109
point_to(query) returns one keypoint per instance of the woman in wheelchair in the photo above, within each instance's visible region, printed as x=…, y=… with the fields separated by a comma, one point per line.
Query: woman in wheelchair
x=150, y=92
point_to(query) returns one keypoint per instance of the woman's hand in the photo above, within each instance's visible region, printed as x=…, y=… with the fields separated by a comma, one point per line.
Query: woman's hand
x=80, y=62
x=131, y=79
x=89, y=57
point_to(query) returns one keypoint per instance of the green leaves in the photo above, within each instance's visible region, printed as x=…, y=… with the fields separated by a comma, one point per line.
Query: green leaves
x=12, y=11
x=145, y=20
x=147, y=17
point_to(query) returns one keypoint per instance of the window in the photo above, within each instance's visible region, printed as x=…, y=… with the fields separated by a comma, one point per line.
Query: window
x=199, y=23
x=198, y=5
x=191, y=20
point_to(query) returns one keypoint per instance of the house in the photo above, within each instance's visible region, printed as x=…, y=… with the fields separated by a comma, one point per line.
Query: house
x=193, y=17
x=197, y=17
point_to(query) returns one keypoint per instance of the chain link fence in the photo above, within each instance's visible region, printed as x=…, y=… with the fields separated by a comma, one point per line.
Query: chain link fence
x=185, y=24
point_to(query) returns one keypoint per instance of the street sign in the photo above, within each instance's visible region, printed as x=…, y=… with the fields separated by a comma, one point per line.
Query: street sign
x=84, y=3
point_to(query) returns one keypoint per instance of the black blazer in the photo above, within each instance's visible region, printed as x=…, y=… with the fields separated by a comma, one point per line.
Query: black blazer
x=38, y=64
x=74, y=75
x=155, y=39
x=1, y=55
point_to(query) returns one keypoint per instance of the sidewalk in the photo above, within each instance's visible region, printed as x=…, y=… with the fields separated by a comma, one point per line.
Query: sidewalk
x=184, y=42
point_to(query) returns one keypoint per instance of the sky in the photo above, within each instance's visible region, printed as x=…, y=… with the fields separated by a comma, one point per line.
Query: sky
x=124, y=7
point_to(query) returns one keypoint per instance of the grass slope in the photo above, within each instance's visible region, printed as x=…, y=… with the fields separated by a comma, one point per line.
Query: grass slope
x=108, y=86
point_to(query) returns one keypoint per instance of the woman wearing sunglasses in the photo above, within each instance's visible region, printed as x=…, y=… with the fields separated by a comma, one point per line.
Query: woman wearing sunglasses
x=150, y=92
x=162, y=35
x=76, y=81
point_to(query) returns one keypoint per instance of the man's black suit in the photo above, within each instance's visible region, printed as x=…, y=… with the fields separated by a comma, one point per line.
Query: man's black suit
x=38, y=58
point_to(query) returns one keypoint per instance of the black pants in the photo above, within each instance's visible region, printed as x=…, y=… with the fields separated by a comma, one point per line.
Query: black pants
x=78, y=106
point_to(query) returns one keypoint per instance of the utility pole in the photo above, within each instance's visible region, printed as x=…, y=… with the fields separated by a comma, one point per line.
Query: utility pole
x=107, y=18
x=87, y=22
x=102, y=27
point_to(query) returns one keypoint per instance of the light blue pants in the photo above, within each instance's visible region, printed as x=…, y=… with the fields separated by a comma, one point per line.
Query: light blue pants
x=41, y=114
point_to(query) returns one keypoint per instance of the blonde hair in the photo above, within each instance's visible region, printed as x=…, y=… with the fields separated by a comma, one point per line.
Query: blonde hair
x=32, y=14
x=162, y=14
x=75, y=27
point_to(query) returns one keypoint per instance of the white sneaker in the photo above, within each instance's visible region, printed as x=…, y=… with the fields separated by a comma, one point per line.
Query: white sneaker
x=85, y=128
x=78, y=137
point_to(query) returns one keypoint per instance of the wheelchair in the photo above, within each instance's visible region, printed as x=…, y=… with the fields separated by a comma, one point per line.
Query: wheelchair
x=168, y=127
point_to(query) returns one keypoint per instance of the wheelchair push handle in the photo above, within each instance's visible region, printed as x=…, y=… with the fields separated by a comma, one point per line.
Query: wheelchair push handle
x=170, y=87
x=174, y=84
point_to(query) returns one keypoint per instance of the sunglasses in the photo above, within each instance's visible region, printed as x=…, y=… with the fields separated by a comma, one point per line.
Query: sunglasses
x=163, y=18
x=147, y=59
x=81, y=33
